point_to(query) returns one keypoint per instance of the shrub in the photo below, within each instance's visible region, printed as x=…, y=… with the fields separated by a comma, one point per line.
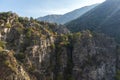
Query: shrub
x=7, y=63
x=20, y=30
x=2, y=44
x=1, y=49
x=28, y=32
x=31, y=68
x=117, y=77
x=59, y=76
x=8, y=25
x=52, y=46
x=70, y=78
x=20, y=56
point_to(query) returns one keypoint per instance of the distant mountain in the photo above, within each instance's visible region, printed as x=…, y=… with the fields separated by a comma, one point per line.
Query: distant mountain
x=61, y=19
x=104, y=18
x=50, y=18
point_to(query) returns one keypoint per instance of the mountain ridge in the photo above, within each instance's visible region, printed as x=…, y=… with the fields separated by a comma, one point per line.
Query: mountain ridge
x=68, y=16
x=104, y=18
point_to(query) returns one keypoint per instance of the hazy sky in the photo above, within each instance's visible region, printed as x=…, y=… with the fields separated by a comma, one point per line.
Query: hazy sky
x=36, y=8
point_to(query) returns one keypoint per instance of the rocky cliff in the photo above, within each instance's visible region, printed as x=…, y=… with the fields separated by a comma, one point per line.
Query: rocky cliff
x=33, y=50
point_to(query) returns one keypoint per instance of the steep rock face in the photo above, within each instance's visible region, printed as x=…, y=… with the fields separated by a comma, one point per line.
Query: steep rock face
x=31, y=45
x=94, y=58
x=39, y=51
x=10, y=68
x=38, y=58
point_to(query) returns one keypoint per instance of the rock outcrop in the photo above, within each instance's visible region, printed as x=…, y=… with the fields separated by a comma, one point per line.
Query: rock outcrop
x=10, y=69
x=32, y=50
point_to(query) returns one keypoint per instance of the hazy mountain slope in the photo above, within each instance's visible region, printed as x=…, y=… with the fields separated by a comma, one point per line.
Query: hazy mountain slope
x=104, y=18
x=49, y=18
x=61, y=19
x=75, y=14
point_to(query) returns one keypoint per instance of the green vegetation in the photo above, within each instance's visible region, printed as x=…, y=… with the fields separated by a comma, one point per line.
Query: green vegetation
x=5, y=15
x=19, y=27
x=7, y=63
x=2, y=44
x=24, y=21
x=2, y=57
x=52, y=46
x=28, y=32
x=31, y=69
x=76, y=35
x=117, y=77
x=20, y=56
x=1, y=49
x=64, y=40
x=20, y=30
x=7, y=60
x=60, y=76
x=8, y=25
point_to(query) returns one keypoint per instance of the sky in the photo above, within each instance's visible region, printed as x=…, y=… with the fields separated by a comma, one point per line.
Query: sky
x=37, y=8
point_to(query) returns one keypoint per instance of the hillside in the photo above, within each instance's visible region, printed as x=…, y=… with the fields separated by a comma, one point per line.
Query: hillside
x=49, y=18
x=33, y=50
x=104, y=18
x=61, y=19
